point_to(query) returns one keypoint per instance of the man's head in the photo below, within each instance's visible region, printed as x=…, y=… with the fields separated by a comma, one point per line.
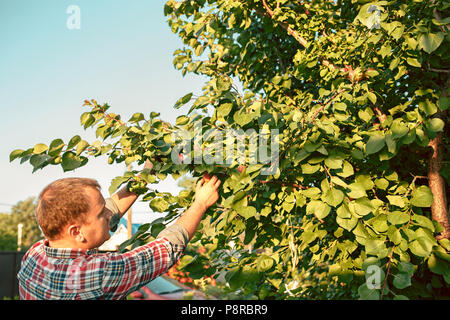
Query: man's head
x=72, y=210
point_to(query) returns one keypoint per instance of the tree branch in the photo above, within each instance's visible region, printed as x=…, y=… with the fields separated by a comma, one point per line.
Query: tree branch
x=325, y=104
x=437, y=70
x=284, y=25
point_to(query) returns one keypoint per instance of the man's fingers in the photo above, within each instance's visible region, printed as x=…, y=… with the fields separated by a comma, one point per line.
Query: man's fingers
x=200, y=183
x=213, y=180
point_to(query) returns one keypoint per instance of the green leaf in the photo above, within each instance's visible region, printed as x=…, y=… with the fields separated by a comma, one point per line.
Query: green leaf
x=370, y=261
x=423, y=222
x=396, y=201
x=264, y=263
x=308, y=237
x=437, y=265
x=333, y=197
x=406, y=267
x=363, y=206
x=333, y=162
x=40, y=148
x=319, y=208
x=181, y=120
x=159, y=205
x=81, y=146
x=55, y=147
x=70, y=161
x=312, y=193
x=372, y=97
x=224, y=109
x=185, y=261
x=365, y=115
x=368, y=294
x=422, y=197
x=382, y=183
x=38, y=161
x=398, y=128
x=73, y=142
x=379, y=223
x=421, y=247
x=374, y=247
x=344, y=212
x=222, y=84
x=347, y=223
x=247, y=212
x=427, y=107
x=375, y=144
x=435, y=125
x=398, y=217
x=234, y=278
x=340, y=106
x=183, y=100
x=413, y=62
x=431, y=41
x=15, y=154
x=243, y=118
x=116, y=183
x=394, y=235
x=339, y=182
x=365, y=181
x=357, y=190
x=157, y=228
x=309, y=169
x=402, y=280
x=347, y=170
x=136, y=117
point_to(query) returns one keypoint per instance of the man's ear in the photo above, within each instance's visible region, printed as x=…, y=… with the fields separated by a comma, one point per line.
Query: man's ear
x=75, y=233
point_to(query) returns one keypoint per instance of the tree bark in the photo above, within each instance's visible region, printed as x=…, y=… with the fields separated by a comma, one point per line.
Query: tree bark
x=439, y=210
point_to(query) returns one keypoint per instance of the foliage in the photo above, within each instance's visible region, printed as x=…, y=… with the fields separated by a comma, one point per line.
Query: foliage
x=21, y=212
x=357, y=90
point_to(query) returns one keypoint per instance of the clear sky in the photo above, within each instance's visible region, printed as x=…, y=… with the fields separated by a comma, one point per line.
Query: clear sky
x=121, y=55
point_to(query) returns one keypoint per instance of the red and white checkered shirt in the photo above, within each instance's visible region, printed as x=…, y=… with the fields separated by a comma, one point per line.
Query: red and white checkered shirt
x=55, y=273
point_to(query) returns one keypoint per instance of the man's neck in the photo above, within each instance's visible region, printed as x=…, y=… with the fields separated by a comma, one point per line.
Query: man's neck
x=64, y=244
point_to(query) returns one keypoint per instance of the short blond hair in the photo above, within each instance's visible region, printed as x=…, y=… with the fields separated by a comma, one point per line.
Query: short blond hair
x=62, y=202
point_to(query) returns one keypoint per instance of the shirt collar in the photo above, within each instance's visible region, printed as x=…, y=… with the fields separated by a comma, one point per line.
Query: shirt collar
x=65, y=253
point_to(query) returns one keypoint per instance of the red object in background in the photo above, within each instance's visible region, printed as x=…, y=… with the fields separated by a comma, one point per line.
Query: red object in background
x=206, y=177
x=146, y=294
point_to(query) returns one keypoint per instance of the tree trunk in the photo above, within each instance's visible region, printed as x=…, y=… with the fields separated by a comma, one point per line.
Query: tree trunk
x=437, y=185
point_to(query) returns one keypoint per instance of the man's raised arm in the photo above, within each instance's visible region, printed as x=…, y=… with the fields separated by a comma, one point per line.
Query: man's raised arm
x=206, y=195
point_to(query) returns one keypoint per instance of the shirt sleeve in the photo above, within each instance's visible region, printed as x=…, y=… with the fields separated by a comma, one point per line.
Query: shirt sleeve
x=127, y=272
x=115, y=218
x=176, y=234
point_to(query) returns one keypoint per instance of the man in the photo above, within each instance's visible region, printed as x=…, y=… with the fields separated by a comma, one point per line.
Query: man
x=75, y=220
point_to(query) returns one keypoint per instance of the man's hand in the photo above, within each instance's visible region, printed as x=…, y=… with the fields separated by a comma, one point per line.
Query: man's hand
x=206, y=191
x=206, y=195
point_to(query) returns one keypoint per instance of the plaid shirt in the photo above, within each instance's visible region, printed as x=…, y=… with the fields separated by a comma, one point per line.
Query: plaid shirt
x=55, y=273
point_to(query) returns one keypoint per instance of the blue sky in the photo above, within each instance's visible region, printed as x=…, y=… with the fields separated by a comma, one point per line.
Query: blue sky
x=121, y=55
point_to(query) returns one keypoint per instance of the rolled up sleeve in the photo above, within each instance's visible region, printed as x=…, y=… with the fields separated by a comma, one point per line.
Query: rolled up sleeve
x=126, y=272
x=115, y=218
x=176, y=234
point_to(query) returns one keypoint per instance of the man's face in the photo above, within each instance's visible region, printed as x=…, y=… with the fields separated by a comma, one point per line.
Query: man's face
x=95, y=230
